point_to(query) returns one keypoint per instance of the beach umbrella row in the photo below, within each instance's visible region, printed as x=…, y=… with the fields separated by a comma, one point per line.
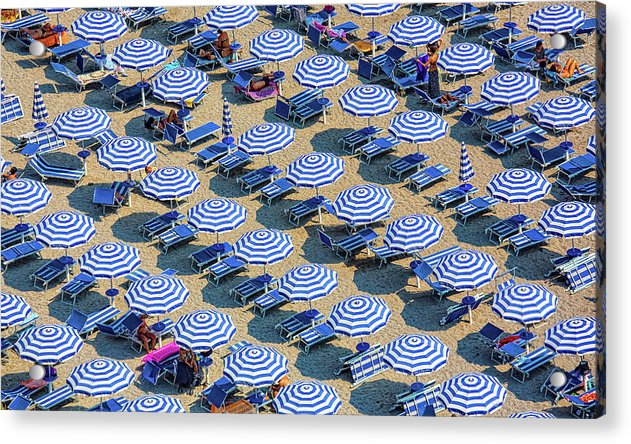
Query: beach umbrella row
x=363, y=204
x=255, y=366
x=180, y=84
x=110, y=260
x=525, y=303
x=217, y=215
x=466, y=270
x=315, y=170
x=510, y=88
x=416, y=354
x=203, y=330
x=230, y=18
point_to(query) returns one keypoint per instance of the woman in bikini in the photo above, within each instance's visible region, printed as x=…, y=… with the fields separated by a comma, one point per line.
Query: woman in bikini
x=46, y=30
x=571, y=67
x=222, y=45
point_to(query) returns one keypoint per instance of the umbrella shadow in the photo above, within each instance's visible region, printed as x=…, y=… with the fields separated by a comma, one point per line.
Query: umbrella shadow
x=473, y=351
x=327, y=140
x=113, y=348
x=533, y=263
x=14, y=276
x=178, y=261
x=375, y=171
x=273, y=216
x=225, y=187
x=369, y=398
x=262, y=329
x=315, y=251
x=380, y=281
x=80, y=199
x=321, y=362
x=220, y=296
x=423, y=312
x=126, y=228
x=475, y=225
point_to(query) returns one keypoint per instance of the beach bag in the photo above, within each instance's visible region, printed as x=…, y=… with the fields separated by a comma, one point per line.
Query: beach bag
x=422, y=73
x=184, y=377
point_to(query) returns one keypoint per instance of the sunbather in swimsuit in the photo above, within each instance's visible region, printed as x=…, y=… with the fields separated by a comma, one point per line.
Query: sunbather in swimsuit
x=571, y=67
x=222, y=45
x=261, y=82
x=148, y=339
x=331, y=33
x=46, y=30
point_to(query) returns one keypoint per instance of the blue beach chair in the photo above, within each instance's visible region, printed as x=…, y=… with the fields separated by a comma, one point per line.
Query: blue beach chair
x=253, y=287
x=254, y=179
x=81, y=283
x=576, y=166
x=212, y=153
x=86, y=324
x=527, y=239
x=545, y=158
x=144, y=15
x=232, y=162
x=377, y=147
x=276, y=190
x=201, y=259
x=268, y=301
x=523, y=367
x=474, y=207
x=313, y=336
x=427, y=176
x=229, y=266
x=457, y=12
x=50, y=271
x=397, y=168
x=14, y=235
x=159, y=224
x=502, y=229
x=46, y=170
x=20, y=252
x=290, y=328
x=177, y=235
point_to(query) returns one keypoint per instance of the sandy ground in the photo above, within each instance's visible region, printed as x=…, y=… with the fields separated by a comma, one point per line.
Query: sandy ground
x=413, y=310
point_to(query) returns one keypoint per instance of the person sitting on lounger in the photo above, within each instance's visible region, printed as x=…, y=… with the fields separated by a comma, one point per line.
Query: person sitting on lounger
x=282, y=382
x=261, y=82
x=222, y=45
x=11, y=175
x=146, y=336
x=46, y=30
x=187, y=374
x=571, y=67
x=330, y=32
x=448, y=98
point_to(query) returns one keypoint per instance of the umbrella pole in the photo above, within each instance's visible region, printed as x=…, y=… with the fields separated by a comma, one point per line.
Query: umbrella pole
x=194, y=17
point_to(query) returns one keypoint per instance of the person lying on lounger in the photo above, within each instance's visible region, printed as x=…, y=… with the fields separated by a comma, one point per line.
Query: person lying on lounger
x=330, y=32
x=282, y=382
x=171, y=118
x=261, y=82
x=222, y=45
x=571, y=67
x=46, y=30
x=146, y=336
x=448, y=98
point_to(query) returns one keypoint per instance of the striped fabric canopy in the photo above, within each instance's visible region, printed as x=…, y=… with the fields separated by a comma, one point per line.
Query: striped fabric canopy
x=48, y=344
x=156, y=295
x=466, y=270
x=574, y=336
x=466, y=172
x=416, y=354
x=472, y=394
x=556, y=18
x=231, y=17
x=368, y=100
x=126, y=154
x=307, y=282
x=416, y=30
x=180, y=84
x=53, y=10
x=100, y=377
x=4, y=163
x=255, y=366
x=263, y=247
x=372, y=10
x=601, y=114
x=99, y=26
x=170, y=183
x=266, y=138
x=226, y=120
x=564, y=113
x=413, y=233
x=3, y=88
x=217, y=215
x=154, y=404
x=13, y=310
x=315, y=170
x=24, y=196
x=601, y=220
x=519, y=185
x=81, y=123
x=532, y=415
x=525, y=303
x=203, y=330
x=510, y=88
x=418, y=127
x=110, y=260
x=363, y=204
x=321, y=71
x=569, y=219
x=140, y=54
x=307, y=398
x=65, y=229
x=40, y=113
x=277, y=45
x=591, y=145
x=466, y=59
x=359, y=316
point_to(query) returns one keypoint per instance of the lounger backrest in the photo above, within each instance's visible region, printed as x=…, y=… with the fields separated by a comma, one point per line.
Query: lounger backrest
x=216, y=396
x=326, y=240
x=364, y=68
x=151, y=372
x=11, y=109
x=535, y=153
x=501, y=51
x=171, y=133
x=76, y=320
x=314, y=35
x=131, y=322
x=282, y=109
x=243, y=79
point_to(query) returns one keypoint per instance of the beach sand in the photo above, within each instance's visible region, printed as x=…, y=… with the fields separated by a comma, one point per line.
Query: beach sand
x=413, y=310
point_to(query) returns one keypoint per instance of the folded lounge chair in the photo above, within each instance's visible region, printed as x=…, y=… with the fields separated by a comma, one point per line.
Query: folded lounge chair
x=582, y=276
x=365, y=365
x=81, y=283
x=313, y=336
x=253, y=287
x=474, y=207
x=86, y=324
x=41, y=141
x=46, y=170
x=588, y=91
x=17, y=235
x=459, y=311
x=52, y=270
x=230, y=265
x=351, y=245
x=290, y=328
x=307, y=208
x=254, y=179
x=201, y=259
x=527, y=239
x=177, y=235
x=276, y=190
x=576, y=166
x=20, y=252
x=505, y=228
x=524, y=366
x=10, y=109
x=427, y=176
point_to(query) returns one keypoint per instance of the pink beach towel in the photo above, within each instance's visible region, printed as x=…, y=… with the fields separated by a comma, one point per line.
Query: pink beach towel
x=162, y=353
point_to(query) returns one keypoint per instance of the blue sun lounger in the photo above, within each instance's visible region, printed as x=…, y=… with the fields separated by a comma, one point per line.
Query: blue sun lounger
x=41, y=141
x=385, y=254
x=50, y=271
x=524, y=44
x=361, y=136
x=290, y=328
x=229, y=266
x=505, y=228
x=473, y=207
x=576, y=166
x=159, y=224
x=443, y=107
x=311, y=109
x=14, y=236
x=545, y=158
x=217, y=394
x=588, y=91
x=424, y=267
x=377, y=147
x=180, y=29
x=427, y=176
x=254, y=179
x=307, y=207
x=523, y=367
x=80, y=81
x=177, y=235
x=145, y=15
x=193, y=61
x=233, y=161
x=585, y=191
x=212, y=153
x=234, y=68
x=201, y=259
x=46, y=170
x=475, y=22
x=586, y=73
x=499, y=35
x=58, y=397
x=365, y=365
x=29, y=21
x=285, y=106
x=202, y=39
x=268, y=301
x=581, y=276
x=20, y=403
x=459, y=311
x=527, y=239
x=86, y=324
x=60, y=52
x=200, y=133
x=10, y=109
x=580, y=34
x=581, y=409
x=276, y=190
x=405, y=164
x=457, y=12
x=552, y=392
x=124, y=327
x=451, y=196
x=111, y=405
x=8, y=395
x=320, y=334
x=495, y=129
x=139, y=274
x=81, y=283
x=153, y=371
x=114, y=196
x=350, y=246
x=253, y=287
x=20, y=252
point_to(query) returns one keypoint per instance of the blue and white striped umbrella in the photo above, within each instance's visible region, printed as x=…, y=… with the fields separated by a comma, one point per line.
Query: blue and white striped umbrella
x=569, y=219
x=418, y=127
x=372, y=10
x=556, y=19
x=321, y=71
x=100, y=377
x=416, y=354
x=466, y=59
x=519, y=185
x=217, y=215
x=156, y=295
x=110, y=260
x=532, y=415
x=4, y=163
x=315, y=170
x=564, y=113
x=154, y=404
x=226, y=123
x=65, y=229
x=601, y=220
x=359, y=316
x=466, y=172
x=363, y=204
x=255, y=366
x=3, y=88
x=307, y=398
x=126, y=154
x=53, y=10
x=40, y=113
x=413, y=233
x=368, y=101
x=99, y=27
x=601, y=21
x=510, y=88
x=574, y=336
x=203, y=330
x=263, y=247
x=416, y=30
x=49, y=344
x=140, y=54
x=466, y=270
x=307, y=282
x=266, y=138
x=277, y=45
x=472, y=394
x=24, y=196
x=170, y=183
x=231, y=17
x=591, y=145
x=180, y=84
x=525, y=303
x=13, y=310
x=81, y=123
